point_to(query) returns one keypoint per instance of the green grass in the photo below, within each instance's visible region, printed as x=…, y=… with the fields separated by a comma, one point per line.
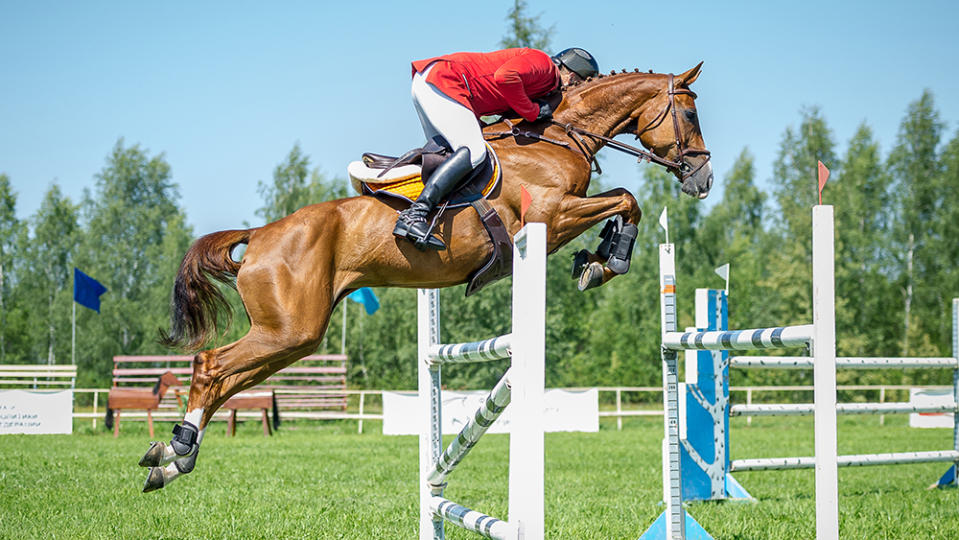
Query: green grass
x=326, y=481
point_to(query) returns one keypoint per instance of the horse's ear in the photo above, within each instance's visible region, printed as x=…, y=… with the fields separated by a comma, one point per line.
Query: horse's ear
x=690, y=76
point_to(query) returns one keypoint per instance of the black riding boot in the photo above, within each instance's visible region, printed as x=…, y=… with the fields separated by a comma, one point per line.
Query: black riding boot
x=412, y=223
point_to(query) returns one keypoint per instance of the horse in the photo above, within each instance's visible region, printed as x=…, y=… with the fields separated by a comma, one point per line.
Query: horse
x=295, y=270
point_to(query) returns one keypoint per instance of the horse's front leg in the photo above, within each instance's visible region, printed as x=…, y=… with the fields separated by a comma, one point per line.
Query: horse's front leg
x=613, y=255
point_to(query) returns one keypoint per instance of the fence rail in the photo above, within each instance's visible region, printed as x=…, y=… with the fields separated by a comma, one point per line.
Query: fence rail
x=619, y=411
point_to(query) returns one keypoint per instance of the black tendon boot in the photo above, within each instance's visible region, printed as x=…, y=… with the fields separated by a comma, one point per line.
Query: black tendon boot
x=411, y=223
x=622, y=249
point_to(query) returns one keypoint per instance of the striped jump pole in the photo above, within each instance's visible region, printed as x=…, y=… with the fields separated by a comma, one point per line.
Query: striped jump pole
x=522, y=387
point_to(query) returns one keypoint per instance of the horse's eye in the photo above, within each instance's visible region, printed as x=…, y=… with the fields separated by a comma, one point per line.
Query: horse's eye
x=690, y=115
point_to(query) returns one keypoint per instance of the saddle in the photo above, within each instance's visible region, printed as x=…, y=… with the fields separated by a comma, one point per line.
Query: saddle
x=403, y=178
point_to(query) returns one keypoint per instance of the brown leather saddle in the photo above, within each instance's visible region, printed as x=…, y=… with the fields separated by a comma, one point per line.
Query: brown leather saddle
x=470, y=192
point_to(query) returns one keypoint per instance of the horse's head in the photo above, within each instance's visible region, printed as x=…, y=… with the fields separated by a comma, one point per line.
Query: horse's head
x=668, y=125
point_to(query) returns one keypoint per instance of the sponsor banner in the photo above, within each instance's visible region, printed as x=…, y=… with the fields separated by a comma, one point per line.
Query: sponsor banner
x=566, y=410
x=36, y=413
x=924, y=397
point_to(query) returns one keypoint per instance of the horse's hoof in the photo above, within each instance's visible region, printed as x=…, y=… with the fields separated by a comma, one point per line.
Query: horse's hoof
x=591, y=277
x=154, y=455
x=580, y=261
x=154, y=480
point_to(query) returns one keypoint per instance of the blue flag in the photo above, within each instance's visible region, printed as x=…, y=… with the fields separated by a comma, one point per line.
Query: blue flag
x=366, y=297
x=86, y=290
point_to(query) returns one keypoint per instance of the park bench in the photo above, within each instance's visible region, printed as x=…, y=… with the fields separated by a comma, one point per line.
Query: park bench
x=312, y=383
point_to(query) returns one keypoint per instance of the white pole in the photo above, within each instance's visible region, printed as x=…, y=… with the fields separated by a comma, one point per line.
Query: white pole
x=73, y=340
x=346, y=302
x=428, y=305
x=527, y=378
x=824, y=374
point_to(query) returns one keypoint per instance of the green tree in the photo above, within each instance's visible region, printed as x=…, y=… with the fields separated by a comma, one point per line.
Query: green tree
x=794, y=177
x=9, y=230
x=524, y=30
x=862, y=213
x=295, y=186
x=948, y=226
x=916, y=171
x=49, y=254
x=136, y=235
x=734, y=233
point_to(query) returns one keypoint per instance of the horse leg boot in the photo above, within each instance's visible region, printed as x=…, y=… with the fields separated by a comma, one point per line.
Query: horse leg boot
x=411, y=223
x=167, y=462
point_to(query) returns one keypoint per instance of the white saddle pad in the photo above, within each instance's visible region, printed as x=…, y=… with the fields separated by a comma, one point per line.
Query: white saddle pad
x=359, y=172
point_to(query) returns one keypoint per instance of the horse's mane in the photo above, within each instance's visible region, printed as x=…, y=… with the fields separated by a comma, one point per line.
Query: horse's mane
x=578, y=87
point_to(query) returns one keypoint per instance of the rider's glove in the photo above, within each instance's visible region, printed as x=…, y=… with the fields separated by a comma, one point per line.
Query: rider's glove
x=545, y=111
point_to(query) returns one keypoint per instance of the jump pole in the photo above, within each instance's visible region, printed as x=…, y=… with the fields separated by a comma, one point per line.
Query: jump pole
x=522, y=387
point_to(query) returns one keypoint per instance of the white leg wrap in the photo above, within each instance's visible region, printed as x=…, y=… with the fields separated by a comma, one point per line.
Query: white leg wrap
x=194, y=416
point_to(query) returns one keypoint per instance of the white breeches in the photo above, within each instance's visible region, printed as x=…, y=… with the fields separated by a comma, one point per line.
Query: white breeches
x=442, y=116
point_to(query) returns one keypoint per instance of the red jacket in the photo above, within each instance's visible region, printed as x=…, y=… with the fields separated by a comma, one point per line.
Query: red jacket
x=491, y=83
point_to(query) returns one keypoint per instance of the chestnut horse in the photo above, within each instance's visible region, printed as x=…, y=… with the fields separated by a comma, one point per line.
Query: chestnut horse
x=295, y=270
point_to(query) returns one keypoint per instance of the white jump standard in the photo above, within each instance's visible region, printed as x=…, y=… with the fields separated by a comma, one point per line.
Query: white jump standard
x=522, y=385
x=674, y=523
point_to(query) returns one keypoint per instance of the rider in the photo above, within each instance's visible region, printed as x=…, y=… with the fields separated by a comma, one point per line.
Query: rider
x=449, y=94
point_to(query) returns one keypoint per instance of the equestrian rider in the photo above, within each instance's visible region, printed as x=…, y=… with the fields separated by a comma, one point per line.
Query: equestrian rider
x=449, y=94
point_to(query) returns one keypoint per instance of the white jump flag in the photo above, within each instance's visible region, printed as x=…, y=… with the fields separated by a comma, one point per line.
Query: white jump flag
x=664, y=223
x=723, y=272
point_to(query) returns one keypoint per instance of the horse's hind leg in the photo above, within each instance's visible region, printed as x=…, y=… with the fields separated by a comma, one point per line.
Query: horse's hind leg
x=218, y=374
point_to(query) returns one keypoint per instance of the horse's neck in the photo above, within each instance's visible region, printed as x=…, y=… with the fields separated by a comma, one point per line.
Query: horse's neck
x=605, y=106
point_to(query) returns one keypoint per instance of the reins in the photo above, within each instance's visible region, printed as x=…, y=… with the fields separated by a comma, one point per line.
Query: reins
x=577, y=133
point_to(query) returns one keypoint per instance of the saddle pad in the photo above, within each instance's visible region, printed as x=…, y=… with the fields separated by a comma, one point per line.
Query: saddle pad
x=409, y=184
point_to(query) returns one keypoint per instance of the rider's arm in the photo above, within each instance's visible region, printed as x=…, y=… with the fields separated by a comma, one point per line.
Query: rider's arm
x=530, y=67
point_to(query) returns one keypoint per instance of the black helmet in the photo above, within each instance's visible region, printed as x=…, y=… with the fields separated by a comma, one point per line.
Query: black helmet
x=578, y=61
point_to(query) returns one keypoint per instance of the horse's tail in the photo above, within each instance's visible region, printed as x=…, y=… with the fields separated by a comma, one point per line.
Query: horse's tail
x=198, y=304
x=108, y=419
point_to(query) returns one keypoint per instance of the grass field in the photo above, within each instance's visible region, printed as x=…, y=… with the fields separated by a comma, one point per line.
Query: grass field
x=326, y=481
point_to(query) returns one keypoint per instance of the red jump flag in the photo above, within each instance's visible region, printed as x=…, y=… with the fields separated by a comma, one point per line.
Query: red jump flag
x=823, y=176
x=524, y=202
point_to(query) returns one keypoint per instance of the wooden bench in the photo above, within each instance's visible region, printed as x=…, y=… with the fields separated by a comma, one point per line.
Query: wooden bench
x=312, y=383
x=126, y=398
x=37, y=376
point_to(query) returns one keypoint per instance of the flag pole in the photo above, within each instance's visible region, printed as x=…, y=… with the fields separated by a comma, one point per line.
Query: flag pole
x=343, y=331
x=73, y=344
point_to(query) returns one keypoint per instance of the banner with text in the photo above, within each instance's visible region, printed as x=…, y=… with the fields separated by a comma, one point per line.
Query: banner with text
x=930, y=397
x=566, y=410
x=36, y=413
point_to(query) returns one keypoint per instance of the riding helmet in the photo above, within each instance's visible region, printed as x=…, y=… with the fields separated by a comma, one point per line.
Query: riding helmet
x=578, y=61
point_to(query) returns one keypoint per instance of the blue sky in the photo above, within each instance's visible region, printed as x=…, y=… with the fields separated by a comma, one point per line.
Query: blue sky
x=225, y=89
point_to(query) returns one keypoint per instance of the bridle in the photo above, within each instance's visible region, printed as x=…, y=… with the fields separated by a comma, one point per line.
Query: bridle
x=682, y=151
x=576, y=134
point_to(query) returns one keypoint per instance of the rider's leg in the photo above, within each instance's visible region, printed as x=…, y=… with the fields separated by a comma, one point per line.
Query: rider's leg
x=441, y=117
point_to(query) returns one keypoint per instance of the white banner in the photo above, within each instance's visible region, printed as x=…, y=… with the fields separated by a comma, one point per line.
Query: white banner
x=566, y=410
x=920, y=397
x=36, y=413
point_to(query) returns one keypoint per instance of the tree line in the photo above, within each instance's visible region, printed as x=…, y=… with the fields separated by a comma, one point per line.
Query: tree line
x=897, y=223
